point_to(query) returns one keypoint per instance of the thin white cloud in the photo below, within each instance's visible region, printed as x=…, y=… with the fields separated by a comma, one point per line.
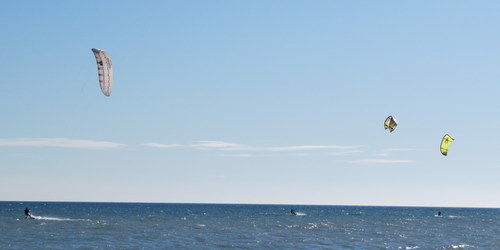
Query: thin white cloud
x=58, y=142
x=222, y=145
x=379, y=161
x=159, y=145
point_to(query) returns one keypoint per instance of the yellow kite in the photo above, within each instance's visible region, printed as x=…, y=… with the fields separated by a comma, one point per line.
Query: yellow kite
x=445, y=144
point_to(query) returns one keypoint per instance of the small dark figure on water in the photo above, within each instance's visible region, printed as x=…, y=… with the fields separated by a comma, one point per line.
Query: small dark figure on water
x=293, y=212
x=439, y=213
x=27, y=213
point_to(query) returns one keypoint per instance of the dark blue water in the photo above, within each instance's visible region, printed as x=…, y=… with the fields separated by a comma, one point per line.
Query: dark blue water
x=202, y=226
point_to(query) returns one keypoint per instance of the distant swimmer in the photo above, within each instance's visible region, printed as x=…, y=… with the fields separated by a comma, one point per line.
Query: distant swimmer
x=439, y=213
x=293, y=212
x=27, y=213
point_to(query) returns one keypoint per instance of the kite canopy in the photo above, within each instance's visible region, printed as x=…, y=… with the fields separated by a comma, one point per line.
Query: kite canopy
x=445, y=144
x=390, y=123
x=105, y=70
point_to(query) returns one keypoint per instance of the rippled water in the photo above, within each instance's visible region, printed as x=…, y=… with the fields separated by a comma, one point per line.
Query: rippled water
x=146, y=225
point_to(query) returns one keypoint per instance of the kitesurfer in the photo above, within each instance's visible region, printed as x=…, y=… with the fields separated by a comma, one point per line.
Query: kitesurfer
x=293, y=212
x=27, y=213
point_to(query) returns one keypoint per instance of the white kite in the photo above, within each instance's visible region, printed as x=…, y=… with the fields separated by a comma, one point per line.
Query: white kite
x=105, y=70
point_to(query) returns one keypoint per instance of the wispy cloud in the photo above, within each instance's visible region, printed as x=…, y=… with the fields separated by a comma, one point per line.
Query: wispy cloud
x=58, y=142
x=222, y=145
x=379, y=161
x=159, y=145
x=219, y=145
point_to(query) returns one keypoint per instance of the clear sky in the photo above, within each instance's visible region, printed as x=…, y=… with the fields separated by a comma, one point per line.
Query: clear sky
x=278, y=102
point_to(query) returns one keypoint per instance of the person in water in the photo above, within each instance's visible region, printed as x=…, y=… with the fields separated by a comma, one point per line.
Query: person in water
x=439, y=213
x=27, y=213
x=293, y=212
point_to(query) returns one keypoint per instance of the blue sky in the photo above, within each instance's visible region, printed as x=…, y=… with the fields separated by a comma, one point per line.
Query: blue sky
x=251, y=102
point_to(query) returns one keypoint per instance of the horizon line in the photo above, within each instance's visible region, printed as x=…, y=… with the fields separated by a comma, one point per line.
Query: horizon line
x=250, y=204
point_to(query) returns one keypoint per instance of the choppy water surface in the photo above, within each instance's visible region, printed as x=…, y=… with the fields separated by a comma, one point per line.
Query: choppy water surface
x=146, y=225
